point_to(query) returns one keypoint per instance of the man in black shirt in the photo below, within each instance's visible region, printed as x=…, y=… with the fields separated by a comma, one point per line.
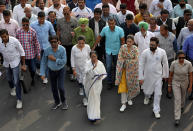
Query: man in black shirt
x=72, y=4
x=129, y=27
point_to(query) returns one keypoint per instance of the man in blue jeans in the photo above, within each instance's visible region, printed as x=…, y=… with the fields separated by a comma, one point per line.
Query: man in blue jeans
x=114, y=37
x=54, y=58
x=28, y=39
x=13, y=53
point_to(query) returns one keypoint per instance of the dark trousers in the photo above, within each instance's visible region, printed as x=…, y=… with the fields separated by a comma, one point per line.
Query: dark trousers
x=31, y=63
x=68, y=53
x=100, y=51
x=111, y=62
x=13, y=80
x=57, y=85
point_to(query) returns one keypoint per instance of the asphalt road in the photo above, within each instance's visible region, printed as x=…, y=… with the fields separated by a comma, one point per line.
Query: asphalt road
x=36, y=114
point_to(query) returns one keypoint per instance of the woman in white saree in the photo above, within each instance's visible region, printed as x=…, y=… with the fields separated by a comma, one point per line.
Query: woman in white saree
x=95, y=73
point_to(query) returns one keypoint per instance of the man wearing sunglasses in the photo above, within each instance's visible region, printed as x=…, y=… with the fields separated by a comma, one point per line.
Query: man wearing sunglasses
x=54, y=58
x=28, y=39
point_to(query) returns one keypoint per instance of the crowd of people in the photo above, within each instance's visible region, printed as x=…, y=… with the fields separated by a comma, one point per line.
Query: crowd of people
x=135, y=45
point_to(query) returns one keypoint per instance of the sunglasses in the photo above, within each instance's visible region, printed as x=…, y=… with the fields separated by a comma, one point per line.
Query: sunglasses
x=181, y=58
x=25, y=25
x=53, y=42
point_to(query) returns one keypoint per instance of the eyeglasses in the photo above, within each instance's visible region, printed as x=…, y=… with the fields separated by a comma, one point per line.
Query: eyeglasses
x=25, y=25
x=181, y=58
x=188, y=14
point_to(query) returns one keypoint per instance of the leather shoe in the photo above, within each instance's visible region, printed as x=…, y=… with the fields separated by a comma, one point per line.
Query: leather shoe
x=177, y=122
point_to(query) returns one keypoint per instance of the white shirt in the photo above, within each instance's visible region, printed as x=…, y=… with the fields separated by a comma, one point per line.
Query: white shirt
x=153, y=67
x=11, y=27
x=112, y=8
x=11, y=52
x=122, y=17
x=96, y=32
x=79, y=59
x=1, y=16
x=155, y=10
x=36, y=10
x=18, y=13
x=59, y=13
x=84, y=13
x=143, y=43
x=184, y=33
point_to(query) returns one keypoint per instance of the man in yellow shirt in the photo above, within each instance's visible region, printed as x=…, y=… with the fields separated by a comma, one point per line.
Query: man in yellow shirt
x=139, y=16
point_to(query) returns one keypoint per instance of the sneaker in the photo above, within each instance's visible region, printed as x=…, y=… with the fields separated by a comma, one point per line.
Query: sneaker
x=85, y=102
x=19, y=104
x=64, y=106
x=38, y=72
x=72, y=77
x=177, y=122
x=13, y=92
x=55, y=106
x=45, y=81
x=130, y=102
x=157, y=115
x=81, y=92
x=123, y=107
x=146, y=101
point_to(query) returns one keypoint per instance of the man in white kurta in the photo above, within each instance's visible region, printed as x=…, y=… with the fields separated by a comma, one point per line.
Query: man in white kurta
x=142, y=38
x=153, y=67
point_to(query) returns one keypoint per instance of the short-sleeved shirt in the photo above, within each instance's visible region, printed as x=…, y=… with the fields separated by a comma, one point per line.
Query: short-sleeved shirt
x=181, y=72
x=139, y=18
x=112, y=39
x=65, y=28
x=132, y=30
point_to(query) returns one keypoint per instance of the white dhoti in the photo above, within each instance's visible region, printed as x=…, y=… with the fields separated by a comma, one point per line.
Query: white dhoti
x=157, y=90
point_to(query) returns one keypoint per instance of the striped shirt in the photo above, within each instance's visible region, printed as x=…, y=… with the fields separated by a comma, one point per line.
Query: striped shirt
x=84, y=13
x=29, y=42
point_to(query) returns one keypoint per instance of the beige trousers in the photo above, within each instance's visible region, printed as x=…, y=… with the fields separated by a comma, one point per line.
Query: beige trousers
x=179, y=89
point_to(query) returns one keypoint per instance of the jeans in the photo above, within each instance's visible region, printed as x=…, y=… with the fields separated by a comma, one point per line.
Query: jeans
x=111, y=62
x=13, y=80
x=57, y=85
x=31, y=63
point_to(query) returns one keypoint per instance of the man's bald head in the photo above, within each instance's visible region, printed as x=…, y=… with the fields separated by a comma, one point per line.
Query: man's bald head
x=27, y=11
x=190, y=24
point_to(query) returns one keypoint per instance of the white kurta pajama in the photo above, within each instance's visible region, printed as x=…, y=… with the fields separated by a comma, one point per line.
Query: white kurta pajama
x=152, y=68
x=93, y=91
x=79, y=59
